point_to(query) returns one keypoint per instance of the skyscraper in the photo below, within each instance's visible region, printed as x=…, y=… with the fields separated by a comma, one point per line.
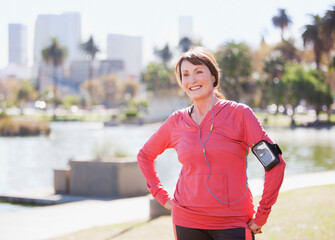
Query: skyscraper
x=17, y=44
x=186, y=27
x=127, y=49
x=66, y=27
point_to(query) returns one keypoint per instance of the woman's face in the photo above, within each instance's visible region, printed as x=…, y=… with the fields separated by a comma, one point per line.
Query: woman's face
x=197, y=80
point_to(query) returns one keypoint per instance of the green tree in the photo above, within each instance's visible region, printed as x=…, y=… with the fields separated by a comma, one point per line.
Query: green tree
x=25, y=93
x=55, y=55
x=90, y=49
x=235, y=62
x=282, y=20
x=70, y=100
x=156, y=76
x=313, y=35
x=321, y=94
x=308, y=85
x=274, y=67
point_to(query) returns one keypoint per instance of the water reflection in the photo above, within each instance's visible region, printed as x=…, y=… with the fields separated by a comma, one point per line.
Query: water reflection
x=29, y=162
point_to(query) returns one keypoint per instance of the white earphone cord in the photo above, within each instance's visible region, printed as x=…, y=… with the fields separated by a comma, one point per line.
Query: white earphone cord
x=209, y=166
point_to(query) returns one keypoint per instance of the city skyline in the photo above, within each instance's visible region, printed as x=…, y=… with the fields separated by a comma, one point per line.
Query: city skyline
x=17, y=44
x=214, y=22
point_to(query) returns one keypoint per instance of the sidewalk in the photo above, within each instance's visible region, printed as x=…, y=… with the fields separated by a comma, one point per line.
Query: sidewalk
x=51, y=221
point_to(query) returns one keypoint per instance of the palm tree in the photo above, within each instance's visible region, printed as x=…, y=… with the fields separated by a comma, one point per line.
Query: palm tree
x=313, y=35
x=164, y=54
x=185, y=44
x=282, y=20
x=55, y=55
x=328, y=25
x=91, y=49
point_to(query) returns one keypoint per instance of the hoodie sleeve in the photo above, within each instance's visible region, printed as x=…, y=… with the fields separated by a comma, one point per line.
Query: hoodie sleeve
x=155, y=146
x=253, y=133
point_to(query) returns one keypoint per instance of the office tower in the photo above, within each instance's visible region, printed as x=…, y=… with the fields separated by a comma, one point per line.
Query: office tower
x=185, y=27
x=17, y=44
x=127, y=49
x=66, y=27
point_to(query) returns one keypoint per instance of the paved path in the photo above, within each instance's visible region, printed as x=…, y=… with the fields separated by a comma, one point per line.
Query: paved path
x=51, y=221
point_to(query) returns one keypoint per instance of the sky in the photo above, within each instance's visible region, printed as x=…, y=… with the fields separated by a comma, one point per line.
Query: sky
x=214, y=21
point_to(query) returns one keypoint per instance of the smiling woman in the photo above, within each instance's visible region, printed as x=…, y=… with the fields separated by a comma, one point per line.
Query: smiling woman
x=212, y=200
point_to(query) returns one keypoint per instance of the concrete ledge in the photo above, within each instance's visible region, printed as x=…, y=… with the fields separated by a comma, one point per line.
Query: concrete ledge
x=117, y=177
x=62, y=180
x=156, y=209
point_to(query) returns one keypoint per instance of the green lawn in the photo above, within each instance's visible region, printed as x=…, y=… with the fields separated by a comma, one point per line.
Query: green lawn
x=304, y=214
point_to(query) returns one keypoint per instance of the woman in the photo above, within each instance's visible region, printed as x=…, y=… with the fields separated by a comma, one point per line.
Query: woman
x=212, y=199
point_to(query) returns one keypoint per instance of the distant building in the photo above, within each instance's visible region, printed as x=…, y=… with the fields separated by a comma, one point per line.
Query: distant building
x=16, y=71
x=107, y=67
x=17, y=44
x=186, y=27
x=128, y=49
x=66, y=27
x=80, y=70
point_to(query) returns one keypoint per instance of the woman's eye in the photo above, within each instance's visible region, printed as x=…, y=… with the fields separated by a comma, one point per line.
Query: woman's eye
x=199, y=72
x=185, y=75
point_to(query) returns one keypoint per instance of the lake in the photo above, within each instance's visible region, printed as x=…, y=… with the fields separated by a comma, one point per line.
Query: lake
x=28, y=162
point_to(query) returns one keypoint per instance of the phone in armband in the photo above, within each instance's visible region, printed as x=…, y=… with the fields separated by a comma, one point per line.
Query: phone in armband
x=267, y=154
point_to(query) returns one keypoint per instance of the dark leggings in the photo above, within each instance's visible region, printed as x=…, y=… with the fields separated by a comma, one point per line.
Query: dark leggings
x=184, y=233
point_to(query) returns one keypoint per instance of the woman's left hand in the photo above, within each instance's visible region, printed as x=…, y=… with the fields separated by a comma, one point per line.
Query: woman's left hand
x=254, y=227
x=168, y=205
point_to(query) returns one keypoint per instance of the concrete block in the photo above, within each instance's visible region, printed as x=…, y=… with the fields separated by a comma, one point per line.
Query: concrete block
x=131, y=182
x=62, y=180
x=156, y=209
x=107, y=178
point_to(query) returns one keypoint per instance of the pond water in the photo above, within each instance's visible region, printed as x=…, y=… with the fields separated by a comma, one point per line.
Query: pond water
x=28, y=162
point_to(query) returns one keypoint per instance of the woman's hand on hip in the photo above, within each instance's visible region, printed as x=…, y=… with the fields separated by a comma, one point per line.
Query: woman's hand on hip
x=254, y=227
x=168, y=204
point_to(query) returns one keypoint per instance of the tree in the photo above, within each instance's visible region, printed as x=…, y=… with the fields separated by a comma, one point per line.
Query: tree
x=156, y=77
x=328, y=25
x=25, y=93
x=282, y=20
x=55, y=55
x=235, y=62
x=185, y=44
x=308, y=85
x=91, y=49
x=313, y=35
x=164, y=55
x=288, y=50
x=321, y=94
x=274, y=67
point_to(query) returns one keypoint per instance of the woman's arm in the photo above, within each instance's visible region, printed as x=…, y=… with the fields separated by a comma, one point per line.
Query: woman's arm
x=156, y=145
x=253, y=133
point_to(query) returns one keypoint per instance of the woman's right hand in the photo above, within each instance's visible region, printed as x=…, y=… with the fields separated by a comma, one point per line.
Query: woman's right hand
x=168, y=204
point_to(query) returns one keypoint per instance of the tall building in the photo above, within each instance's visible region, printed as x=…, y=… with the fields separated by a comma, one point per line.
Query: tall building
x=186, y=27
x=17, y=44
x=66, y=27
x=80, y=70
x=128, y=49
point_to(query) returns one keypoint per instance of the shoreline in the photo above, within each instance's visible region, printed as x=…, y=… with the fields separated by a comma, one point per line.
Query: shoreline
x=57, y=220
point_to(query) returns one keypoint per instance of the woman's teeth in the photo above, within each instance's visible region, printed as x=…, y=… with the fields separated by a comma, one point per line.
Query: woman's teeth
x=195, y=88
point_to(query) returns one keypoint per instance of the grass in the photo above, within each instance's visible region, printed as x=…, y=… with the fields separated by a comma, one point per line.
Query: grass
x=304, y=214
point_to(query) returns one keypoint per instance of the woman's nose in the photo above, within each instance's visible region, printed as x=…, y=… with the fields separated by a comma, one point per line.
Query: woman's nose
x=192, y=78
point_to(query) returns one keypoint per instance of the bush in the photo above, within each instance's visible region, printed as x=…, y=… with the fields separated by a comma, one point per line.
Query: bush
x=131, y=114
x=22, y=127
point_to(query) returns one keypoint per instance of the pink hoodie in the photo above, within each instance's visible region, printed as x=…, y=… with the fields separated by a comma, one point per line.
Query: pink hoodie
x=235, y=128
